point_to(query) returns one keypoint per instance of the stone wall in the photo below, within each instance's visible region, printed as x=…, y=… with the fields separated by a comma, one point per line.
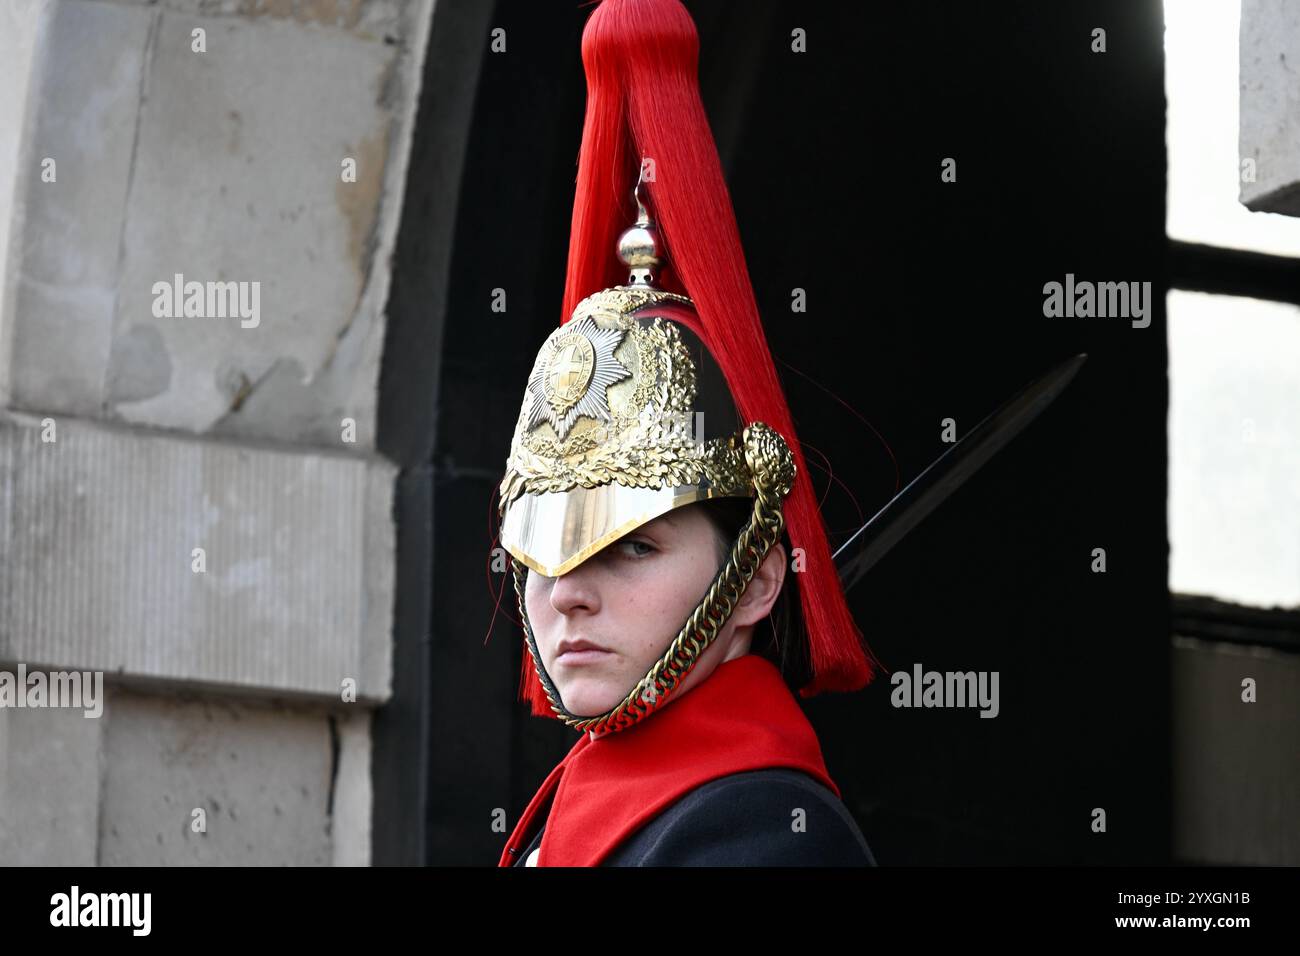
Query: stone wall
x=190, y=497
x=1270, y=106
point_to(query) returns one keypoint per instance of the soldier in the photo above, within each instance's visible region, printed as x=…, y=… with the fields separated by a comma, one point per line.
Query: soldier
x=674, y=583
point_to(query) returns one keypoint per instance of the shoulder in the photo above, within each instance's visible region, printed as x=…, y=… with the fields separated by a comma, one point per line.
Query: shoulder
x=771, y=817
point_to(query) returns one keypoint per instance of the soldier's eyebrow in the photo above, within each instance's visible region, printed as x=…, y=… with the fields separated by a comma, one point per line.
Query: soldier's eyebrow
x=668, y=518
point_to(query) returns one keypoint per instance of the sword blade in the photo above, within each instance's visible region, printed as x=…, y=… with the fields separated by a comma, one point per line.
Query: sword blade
x=948, y=472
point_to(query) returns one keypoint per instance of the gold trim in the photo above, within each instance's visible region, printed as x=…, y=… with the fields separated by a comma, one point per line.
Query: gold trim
x=679, y=501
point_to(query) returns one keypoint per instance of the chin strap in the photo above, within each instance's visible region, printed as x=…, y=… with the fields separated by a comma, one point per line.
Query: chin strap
x=772, y=466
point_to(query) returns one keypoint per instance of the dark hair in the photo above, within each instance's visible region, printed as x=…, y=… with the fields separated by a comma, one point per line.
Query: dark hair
x=782, y=641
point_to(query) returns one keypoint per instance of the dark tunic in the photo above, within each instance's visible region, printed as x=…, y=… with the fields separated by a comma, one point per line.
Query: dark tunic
x=746, y=819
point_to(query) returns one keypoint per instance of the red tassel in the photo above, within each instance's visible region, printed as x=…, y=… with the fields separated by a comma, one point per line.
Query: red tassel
x=643, y=102
x=530, y=688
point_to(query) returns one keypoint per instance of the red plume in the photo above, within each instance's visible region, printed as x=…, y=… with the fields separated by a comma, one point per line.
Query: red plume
x=643, y=103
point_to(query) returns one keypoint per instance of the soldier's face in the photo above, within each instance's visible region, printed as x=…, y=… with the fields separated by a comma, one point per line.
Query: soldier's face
x=630, y=601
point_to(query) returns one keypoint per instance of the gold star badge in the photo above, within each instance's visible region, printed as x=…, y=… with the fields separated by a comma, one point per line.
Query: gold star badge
x=572, y=373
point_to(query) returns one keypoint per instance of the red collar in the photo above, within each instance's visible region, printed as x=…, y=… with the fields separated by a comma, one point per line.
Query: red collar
x=741, y=717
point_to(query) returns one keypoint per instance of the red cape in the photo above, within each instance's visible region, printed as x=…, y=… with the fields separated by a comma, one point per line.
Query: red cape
x=741, y=717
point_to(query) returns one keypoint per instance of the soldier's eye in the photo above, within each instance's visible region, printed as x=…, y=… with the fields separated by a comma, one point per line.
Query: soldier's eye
x=636, y=548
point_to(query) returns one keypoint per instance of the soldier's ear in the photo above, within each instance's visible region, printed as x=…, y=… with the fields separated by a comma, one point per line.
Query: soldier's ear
x=764, y=588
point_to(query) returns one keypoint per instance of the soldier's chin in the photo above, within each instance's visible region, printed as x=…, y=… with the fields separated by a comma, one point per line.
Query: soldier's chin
x=589, y=696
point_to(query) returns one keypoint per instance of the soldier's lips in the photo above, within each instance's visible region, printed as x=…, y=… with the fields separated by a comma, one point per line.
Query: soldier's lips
x=586, y=655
